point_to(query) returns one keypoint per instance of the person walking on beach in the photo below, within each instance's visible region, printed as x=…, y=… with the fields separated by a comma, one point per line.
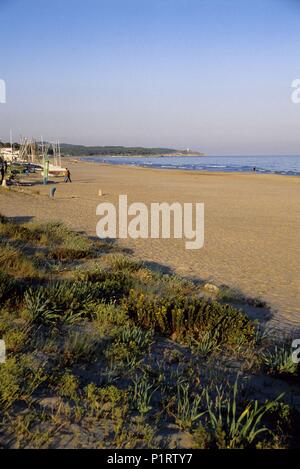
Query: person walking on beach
x=67, y=175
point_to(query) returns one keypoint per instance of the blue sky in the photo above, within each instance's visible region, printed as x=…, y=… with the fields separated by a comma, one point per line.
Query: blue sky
x=208, y=74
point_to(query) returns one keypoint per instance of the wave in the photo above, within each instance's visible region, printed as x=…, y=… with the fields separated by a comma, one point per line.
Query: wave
x=288, y=166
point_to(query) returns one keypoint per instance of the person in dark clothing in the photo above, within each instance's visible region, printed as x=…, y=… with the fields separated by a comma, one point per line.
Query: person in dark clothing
x=5, y=166
x=2, y=171
x=67, y=175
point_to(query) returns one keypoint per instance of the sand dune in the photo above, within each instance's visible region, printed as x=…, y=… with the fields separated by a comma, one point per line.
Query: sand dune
x=252, y=224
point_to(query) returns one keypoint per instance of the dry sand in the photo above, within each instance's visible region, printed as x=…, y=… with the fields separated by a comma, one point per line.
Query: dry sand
x=252, y=224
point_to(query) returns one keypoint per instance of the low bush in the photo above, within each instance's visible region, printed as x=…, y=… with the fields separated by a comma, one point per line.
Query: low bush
x=78, y=348
x=279, y=361
x=184, y=318
x=9, y=287
x=121, y=262
x=188, y=408
x=19, y=379
x=232, y=424
x=14, y=262
x=142, y=392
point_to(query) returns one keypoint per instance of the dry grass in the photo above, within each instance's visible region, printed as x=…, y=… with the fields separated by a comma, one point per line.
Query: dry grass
x=14, y=262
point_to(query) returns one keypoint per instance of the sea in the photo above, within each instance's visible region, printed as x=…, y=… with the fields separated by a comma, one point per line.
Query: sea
x=286, y=165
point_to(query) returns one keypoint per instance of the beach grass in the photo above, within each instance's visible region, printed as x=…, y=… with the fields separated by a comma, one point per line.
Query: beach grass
x=104, y=352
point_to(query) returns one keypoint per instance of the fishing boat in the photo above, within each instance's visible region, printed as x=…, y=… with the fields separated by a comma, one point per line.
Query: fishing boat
x=46, y=157
x=55, y=170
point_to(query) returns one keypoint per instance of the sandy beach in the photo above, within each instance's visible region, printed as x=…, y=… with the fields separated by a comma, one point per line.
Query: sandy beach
x=252, y=224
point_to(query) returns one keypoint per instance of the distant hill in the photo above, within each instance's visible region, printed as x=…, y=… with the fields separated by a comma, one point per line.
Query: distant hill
x=81, y=150
x=68, y=149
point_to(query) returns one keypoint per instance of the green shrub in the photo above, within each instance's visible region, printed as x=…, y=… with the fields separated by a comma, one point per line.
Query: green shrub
x=51, y=233
x=70, y=298
x=183, y=318
x=68, y=301
x=106, y=315
x=173, y=285
x=78, y=348
x=135, y=337
x=121, y=262
x=279, y=361
x=3, y=219
x=188, y=408
x=64, y=301
x=142, y=394
x=206, y=344
x=68, y=386
x=9, y=288
x=64, y=253
x=15, y=231
x=16, y=339
x=103, y=401
x=19, y=379
x=10, y=383
x=14, y=262
x=119, y=357
x=130, y=346
x=37, y=307
x=113, y=285
x=233, y=426
x=202, y=437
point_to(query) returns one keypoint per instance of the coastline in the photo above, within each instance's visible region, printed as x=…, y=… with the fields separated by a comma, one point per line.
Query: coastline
x=252, y=223
x=199, y=172
x=289, y=166
x=168, y=155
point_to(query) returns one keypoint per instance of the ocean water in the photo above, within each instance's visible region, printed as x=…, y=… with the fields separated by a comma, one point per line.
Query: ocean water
x=287, y=165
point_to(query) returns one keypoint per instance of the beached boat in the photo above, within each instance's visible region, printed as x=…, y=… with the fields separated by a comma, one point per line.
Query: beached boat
x=55, y=170
x=40, y=155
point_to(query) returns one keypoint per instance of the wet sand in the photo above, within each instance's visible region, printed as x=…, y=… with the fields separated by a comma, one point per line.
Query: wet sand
x=252, y=224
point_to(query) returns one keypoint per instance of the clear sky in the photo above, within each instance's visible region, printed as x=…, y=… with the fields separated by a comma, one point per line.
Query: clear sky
x=206, y=74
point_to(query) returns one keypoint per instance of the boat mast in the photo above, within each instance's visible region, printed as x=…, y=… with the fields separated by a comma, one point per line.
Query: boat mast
x=11, y=142
x=59, y=153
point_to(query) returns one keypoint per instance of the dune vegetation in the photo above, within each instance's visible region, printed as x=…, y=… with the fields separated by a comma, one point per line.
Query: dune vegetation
x=104, y=352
